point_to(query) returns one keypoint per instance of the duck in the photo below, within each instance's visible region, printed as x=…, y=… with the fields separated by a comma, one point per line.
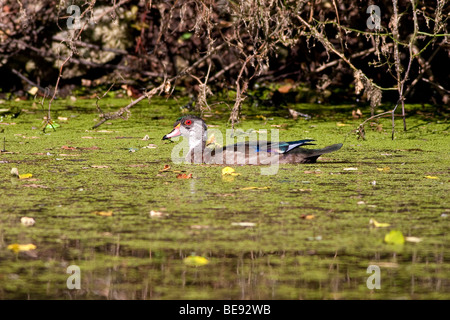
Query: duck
x=256, y=152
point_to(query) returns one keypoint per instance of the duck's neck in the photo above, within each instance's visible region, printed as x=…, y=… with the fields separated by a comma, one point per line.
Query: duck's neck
x=197, y=143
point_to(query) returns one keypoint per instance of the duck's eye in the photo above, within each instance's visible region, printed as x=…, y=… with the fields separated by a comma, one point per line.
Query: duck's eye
x=188, y=122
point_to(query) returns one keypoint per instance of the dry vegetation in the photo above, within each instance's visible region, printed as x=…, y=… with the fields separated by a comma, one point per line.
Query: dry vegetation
x=209, y=45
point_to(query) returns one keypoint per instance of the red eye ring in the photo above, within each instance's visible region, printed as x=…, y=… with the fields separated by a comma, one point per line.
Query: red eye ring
x=188, y=122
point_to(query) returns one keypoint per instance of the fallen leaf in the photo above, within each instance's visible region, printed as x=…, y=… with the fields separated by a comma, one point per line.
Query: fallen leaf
x=293, y=113
x=156, y=214
x=261, y=117
x=378, y=224
x=302, y=190
x=285, y=88
x=150, y=146
x=307, y=216
x=68, y=148
x=431, y=177
x=146, y=137
x=103, y=213
x=99, y=166
x=229, y=171
x=199, y=226
x=26, y=221
x=357, y=114
x=21, y=247
x=25, y=176
x=254, y=188
x=184, y=176
x=385, y=169
x=350, y=169
x=413, y=239
x=313, y=172
x=341, y=124
x=33, y=185
x=318, y=238
x=243, y=224
x=15, y=172
x=195, y=261
x=166, y=168
x=33, y=91
x=394, y=237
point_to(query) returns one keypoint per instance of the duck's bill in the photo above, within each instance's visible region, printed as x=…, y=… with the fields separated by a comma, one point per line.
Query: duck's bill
x=174, y=133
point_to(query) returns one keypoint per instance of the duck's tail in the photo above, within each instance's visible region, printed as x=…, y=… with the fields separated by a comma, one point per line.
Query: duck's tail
x=303, y=155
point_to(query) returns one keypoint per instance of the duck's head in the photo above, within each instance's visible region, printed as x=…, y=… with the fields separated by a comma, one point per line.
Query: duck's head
x=189, y=127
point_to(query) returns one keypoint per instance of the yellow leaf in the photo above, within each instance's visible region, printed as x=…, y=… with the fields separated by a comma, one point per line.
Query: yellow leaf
x=254, y=188
x=307, y=216
x=378, y=224
x=104, y=213
x=261, y=117
x=25, y=176
x=21, y=247
x=394, y=237
x=33, y=91
x=195, y=261
x=385, y=169
x=341, y=124
x=229, y=171
x=431, y=177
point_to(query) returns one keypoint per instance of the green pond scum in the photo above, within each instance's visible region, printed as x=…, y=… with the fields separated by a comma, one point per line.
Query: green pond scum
x=106, y=201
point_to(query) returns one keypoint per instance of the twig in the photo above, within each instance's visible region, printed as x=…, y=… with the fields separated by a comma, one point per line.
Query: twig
x=92, y=46
x=49, y=119
x=353, y=56
x=327, y=44
x=151, y=93
x=438, y=86
x=21, y=76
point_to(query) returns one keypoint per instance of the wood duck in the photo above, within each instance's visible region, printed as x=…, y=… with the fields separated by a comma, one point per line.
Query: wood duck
x=248, y=152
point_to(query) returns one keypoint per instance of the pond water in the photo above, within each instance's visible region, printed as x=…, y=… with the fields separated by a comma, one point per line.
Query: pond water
x=303, y=233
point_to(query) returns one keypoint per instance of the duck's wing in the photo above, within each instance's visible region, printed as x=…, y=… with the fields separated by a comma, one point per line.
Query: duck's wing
x=285, y=147
x=264, y=146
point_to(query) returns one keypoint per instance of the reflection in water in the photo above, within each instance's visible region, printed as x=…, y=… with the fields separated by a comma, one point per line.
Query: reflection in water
x=112, y=271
